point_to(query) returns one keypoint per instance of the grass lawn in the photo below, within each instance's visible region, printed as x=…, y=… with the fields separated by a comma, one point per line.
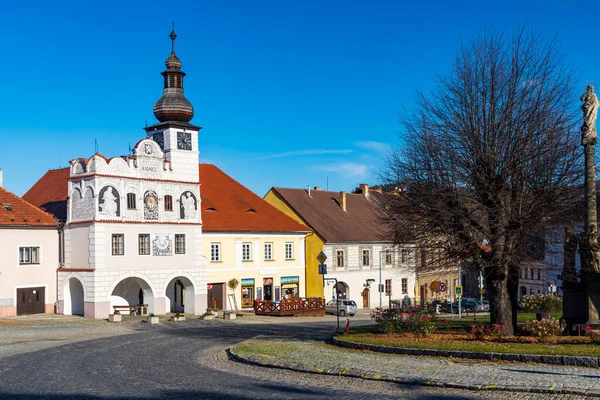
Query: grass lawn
x=453, y=336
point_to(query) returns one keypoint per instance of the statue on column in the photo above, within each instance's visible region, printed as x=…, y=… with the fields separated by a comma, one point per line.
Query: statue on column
x=570, y=244
x=590, y=113
x=590, y=250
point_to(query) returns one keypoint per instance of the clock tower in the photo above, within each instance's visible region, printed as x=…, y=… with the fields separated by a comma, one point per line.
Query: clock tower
x=174, y=134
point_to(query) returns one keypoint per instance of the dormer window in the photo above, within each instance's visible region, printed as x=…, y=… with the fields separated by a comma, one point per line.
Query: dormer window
x=251, y=210
x=211, y=209
x=131, y=201
x=7, y=206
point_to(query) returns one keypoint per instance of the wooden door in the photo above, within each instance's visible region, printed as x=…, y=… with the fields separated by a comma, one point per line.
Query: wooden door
x=216, y=292
x=31, y=301
x=365, y=295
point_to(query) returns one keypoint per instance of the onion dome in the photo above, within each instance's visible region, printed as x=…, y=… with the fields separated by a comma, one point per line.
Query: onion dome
x=173, y=106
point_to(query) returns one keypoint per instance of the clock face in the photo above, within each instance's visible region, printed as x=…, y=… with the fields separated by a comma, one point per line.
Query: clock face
x=184, y=140
x=160, y=139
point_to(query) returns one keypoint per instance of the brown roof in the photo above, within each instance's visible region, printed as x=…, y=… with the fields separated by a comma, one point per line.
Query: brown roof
x=361, y=222
x=50, y=193
x=14, y=211
x=229, y=206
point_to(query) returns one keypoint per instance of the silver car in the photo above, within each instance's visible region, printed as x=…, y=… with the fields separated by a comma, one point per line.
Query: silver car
x=347, y=307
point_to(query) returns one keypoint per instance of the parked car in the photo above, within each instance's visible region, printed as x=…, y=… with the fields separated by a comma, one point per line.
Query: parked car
x=468, y=304
x=347, y=307
x=485, y=304
x=445, y=306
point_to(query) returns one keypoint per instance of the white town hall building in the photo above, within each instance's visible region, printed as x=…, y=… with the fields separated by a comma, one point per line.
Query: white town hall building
x=132, y=233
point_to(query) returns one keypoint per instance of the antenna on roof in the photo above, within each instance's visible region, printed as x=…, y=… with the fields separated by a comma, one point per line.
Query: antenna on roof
x=146, y=123
x=327, y=183
x=130, y=152
x=95, y=146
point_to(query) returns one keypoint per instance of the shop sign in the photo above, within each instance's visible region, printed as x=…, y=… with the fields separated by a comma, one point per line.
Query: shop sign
x=289, y=279
x=248, y=282
x=209, y=286
x=267, y=281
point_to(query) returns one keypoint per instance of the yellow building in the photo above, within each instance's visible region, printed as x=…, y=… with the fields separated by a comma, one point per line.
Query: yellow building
x=248, y=240
x=313, y=246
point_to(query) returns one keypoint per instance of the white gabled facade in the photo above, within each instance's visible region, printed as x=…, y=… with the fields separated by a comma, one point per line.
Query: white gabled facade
x=360, y=267
x=134, y=230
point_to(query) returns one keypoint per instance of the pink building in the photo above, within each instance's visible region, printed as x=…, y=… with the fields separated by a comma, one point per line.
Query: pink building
x=29, y=257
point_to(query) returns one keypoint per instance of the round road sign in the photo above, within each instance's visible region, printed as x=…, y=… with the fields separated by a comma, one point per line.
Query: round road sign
x=443, y=287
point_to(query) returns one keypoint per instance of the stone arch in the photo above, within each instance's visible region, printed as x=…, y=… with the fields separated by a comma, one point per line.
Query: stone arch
x=180, y=292
x=73, y=295
x=343, y=290
x=129, y=289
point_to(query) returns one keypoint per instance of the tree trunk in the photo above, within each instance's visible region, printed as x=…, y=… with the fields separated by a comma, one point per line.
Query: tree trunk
x=500, y=305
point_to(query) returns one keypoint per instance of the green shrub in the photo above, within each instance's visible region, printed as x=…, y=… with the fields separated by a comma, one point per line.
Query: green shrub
x=544, y=329
x=542, y=303
x=417, y=323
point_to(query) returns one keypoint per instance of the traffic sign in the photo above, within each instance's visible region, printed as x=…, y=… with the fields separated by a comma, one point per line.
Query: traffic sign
x=458, y=291
x=442, y=287
x=322, y=269
x=321, y=257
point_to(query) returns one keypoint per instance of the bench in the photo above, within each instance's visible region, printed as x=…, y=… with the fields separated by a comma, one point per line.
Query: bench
x=132, y=309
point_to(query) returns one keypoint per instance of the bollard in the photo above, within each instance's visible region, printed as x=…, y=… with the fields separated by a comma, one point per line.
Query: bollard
x=347, y=326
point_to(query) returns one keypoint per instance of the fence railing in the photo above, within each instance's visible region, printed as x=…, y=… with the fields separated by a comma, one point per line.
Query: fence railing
x=310, y=306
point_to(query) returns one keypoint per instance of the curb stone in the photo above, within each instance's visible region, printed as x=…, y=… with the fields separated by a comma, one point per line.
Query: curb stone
x=369, y=375
x=576, y=361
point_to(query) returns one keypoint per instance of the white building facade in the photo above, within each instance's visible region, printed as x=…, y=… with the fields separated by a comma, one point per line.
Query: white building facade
x=361, y=267
x=133, y=234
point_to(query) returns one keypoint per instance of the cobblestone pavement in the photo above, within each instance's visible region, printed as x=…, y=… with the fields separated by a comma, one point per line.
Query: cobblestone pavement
x=186, y=360
x=320, y=357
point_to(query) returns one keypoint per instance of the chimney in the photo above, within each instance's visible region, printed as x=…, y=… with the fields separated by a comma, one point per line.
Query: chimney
x=317, y=188
x=364, y=189
x=1, y=177
x=309, y=191
x=378, y=189
x=343, y=200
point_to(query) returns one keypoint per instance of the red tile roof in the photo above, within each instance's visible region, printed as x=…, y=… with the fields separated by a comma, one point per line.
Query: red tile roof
x=361, y=222
x=50, y=193
x=14, y=211
x=237, y=208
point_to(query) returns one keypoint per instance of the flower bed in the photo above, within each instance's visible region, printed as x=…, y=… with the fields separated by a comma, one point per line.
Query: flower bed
x=567, y=345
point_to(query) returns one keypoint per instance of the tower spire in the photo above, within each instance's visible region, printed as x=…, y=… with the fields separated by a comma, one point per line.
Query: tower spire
x=173, y=36
x=173, y=106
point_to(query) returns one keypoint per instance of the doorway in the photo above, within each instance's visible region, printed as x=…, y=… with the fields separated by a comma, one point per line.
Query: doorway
x=216, y=293
x=366, y=294
x=31, y=301
x=268, y=289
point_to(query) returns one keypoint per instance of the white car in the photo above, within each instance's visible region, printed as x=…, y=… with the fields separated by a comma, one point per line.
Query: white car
x=347, y=307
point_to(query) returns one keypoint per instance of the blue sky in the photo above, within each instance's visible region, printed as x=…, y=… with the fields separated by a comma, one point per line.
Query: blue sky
x=289, y=93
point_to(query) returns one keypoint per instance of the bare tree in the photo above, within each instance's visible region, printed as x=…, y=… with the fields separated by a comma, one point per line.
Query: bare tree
x=491, y=154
